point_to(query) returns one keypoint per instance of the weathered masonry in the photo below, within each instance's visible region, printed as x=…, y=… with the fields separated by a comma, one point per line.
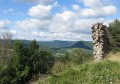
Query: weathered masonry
x=100, y=35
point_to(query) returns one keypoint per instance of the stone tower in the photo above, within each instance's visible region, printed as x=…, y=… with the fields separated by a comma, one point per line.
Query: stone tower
x=100, y=35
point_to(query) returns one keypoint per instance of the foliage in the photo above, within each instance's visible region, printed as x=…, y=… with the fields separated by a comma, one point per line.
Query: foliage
x=5, y=51
x=26, y=62
x=75, y=55
x=114, y=28
x=80, y=56
x=105, y=72
x=66, y=58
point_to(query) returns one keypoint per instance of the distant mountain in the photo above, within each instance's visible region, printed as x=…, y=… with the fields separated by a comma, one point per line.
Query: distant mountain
x=82, y=44
x=56, y=45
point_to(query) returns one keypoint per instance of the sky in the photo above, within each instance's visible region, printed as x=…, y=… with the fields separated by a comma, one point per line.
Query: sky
x=47, y=20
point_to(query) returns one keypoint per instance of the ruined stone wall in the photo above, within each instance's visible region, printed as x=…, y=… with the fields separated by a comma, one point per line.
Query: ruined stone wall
x=100, y=35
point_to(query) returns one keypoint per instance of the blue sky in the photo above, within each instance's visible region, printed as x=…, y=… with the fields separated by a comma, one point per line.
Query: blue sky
x=55, y=19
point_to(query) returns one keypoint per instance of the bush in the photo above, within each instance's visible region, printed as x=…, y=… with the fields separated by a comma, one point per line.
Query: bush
x=26, y=62
x=80, y=56
x=76, y=55
x=66, y=58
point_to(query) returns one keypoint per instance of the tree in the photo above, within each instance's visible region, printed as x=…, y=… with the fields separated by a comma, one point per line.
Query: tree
x=46, y=62
x=114, y=28
x=40, y=61
x=5, y=45
x=26, y=62
x=19, y=62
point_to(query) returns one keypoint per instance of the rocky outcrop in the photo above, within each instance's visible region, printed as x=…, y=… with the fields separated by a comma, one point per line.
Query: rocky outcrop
x=100, y=35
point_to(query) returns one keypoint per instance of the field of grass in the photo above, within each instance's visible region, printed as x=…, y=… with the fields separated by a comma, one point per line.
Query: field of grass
x=114, y=56
x=104, y=72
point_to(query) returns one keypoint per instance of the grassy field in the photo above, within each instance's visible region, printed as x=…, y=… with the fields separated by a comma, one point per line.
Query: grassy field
x=104, y=72
x=114, y=57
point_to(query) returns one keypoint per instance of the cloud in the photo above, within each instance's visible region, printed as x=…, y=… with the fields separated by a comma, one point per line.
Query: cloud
x=73, y=24
x=56, y=4
x=13, y=32
x=8, y=10
x=76, y=7
x=40, y=11
x=60, y=36
x=35, y=1
x=101, y=12
x=69, y=21
x=32, y=24
x=4, y=24
x=94, y=8
x=92, y=3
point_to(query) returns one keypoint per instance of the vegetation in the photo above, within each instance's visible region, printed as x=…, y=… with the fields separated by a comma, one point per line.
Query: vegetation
x=114, y=28
x=105, y=72
x=25, y=62
x=5, y=45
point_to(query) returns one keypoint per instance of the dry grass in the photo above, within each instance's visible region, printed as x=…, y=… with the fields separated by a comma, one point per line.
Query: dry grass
x=114, y=56
x=60, y=66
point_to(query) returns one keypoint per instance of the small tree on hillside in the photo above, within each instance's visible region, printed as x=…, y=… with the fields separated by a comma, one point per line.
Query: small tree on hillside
x=5, y=45
x=114, y=28
x=40, y=61
x=19, y=62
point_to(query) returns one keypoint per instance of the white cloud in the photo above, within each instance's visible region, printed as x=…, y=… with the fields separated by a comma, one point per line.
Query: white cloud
x=40, y=11
x=4, y=23
x=92, y=3
x=35, y=1
x=69, y=21
x=55, y=4
x=101, y=12
x=61, y=22
x=13, y=32
x=94, y=8
x=109, y=10
x=60, y=36
x=65, y=25
x=76, y=7
x=8, y=10
x=32, y=24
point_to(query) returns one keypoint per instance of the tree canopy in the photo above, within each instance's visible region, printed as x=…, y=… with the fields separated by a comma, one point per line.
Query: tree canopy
x=114, y=28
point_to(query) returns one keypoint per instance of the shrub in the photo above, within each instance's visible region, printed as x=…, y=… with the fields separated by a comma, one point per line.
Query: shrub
x=80, y=56
x=26, y=62
x=66, y=58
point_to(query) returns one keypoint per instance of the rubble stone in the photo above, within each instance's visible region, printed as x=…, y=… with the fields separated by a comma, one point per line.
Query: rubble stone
x=100, y=35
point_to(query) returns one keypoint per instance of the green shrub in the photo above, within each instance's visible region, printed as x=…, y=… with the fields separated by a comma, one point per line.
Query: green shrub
x=80, y=56
x=76, y=55
x=26, y=62
x=66, y=58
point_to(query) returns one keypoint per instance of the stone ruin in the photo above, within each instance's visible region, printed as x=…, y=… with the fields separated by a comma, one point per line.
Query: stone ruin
x=100, y=35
